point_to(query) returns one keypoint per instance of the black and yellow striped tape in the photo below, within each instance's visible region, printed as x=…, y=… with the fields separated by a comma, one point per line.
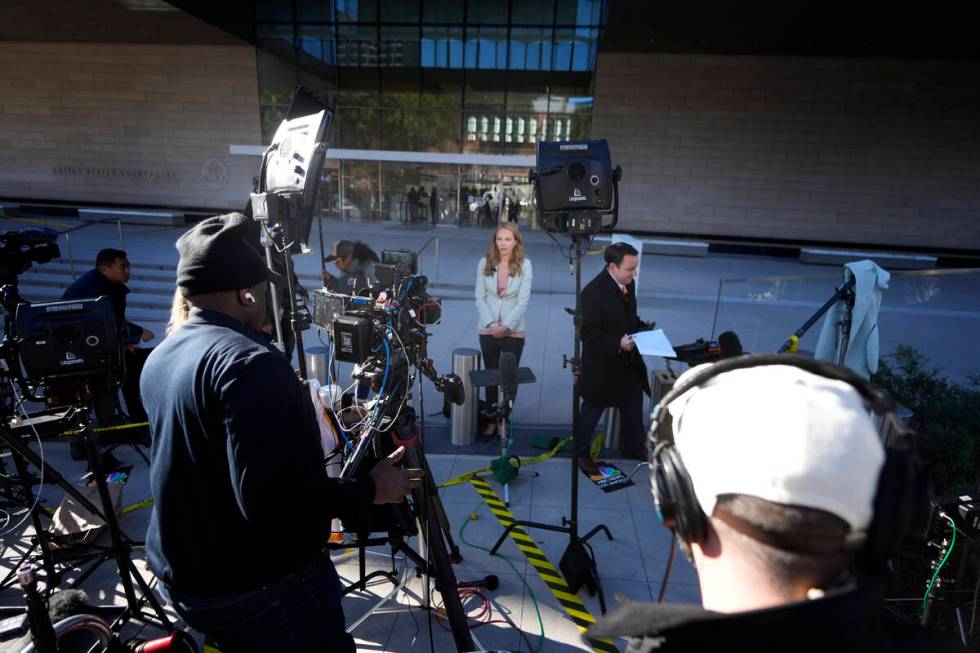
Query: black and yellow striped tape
x=571, y=603
x=463, y=478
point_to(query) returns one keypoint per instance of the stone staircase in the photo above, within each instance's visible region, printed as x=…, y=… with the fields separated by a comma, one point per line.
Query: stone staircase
x=151, y=286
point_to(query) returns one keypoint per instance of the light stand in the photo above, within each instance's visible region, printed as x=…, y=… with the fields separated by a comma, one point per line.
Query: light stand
x=578, y=564
x=844, y=292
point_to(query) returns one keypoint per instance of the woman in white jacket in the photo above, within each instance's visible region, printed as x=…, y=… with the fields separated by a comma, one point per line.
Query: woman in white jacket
x=503, y=289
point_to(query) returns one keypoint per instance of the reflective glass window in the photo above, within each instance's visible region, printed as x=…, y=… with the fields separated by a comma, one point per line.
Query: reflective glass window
x=530, y=48
x=533, y=12
x=358, y=86
x=442, y=47
x=399, y=46
x=271, y=35
x=486, y=48
x=357, y=11
x=399, y=11
x=482, y=12
x=319, y=11
x=357, y=128
x=578, y=12
x=442, y=11
x=485, y=89
x=400, y=87
x=357, y=45
x=441, y=89
x=399, y=129
x=318, y=41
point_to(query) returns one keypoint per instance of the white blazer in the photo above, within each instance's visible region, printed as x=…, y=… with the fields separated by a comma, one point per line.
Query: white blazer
x=512, y=307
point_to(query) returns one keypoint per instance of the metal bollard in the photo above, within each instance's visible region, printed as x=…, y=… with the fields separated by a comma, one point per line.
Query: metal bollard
x=463, y=418
x=316, y=364
x=613, y=431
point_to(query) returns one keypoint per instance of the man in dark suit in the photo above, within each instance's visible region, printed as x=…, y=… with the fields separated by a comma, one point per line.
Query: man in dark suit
x=613, y=373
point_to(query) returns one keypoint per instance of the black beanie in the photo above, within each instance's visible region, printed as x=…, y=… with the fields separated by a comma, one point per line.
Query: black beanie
x=216, y=255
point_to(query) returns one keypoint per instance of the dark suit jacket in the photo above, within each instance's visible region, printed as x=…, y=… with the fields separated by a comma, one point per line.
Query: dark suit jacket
x=607, y=315
x=94, y=284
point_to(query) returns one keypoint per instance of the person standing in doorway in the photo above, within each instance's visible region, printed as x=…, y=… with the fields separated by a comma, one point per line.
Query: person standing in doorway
x=503, y=290
x=434, y=206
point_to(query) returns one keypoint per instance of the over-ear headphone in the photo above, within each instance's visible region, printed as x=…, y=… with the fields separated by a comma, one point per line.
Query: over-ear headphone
x=250, y=297
x=901, y=499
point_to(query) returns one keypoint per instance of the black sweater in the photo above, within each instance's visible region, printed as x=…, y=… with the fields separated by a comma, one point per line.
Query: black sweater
x=241, y=493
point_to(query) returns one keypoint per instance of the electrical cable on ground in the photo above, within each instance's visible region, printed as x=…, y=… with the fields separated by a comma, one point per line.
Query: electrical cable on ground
x=534, y=600
x=949, y=549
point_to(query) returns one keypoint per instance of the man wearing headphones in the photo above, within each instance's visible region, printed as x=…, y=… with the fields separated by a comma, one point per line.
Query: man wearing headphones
x=243, y=502
x=779, y=490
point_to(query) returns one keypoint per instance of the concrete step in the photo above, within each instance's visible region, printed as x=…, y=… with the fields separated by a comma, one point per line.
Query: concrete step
x=887, y=260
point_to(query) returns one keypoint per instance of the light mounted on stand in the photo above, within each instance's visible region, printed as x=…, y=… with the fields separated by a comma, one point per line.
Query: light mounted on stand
x=575, y=185
x=290, y=174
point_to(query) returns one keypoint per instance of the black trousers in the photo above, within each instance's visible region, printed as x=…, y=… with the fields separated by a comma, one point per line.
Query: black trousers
x=135, y=360
x=630, y=407
x=492, y=348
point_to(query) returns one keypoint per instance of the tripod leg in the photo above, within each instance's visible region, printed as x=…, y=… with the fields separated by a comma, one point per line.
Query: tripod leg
x=47, y=560
x=417, y=459
x=442, y=571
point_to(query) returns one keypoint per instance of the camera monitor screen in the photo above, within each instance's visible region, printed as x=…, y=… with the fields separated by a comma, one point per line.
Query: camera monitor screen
x=574, y=176
x=405, y=260
x=68, y=338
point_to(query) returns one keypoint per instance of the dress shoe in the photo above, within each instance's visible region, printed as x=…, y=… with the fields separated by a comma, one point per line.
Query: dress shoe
x=588, y=465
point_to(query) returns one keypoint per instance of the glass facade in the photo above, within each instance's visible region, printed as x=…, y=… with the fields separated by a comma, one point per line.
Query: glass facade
x=486, y=77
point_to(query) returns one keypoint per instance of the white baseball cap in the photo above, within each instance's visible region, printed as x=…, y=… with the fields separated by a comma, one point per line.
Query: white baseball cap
x=782, y=434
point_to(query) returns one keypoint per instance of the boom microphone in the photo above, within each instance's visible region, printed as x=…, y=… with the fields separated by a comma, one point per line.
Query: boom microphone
x=508, y=375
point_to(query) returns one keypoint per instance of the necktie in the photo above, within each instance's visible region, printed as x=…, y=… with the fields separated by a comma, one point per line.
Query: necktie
x=625, y=291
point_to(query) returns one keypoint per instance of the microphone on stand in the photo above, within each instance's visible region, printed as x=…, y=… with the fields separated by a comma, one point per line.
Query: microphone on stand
x=508, y=376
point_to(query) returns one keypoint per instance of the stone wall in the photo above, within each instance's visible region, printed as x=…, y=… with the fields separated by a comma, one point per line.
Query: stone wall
x=871, y=152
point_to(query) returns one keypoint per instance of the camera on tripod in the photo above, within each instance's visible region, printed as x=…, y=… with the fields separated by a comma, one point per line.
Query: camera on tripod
x=384, y=333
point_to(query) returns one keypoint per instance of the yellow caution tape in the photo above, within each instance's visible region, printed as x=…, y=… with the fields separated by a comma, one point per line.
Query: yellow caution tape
x=462, y=478
x=102, y=429
x=570, y=603
x=139, y=505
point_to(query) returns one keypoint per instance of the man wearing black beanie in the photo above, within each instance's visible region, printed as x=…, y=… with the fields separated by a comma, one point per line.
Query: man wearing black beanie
x=242, y=500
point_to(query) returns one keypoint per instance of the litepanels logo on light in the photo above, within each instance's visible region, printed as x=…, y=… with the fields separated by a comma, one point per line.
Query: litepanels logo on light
x=71, y=359
x=61, y=308
x=576, y=196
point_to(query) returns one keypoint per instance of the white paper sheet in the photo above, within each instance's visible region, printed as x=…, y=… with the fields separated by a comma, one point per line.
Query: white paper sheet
x=653, y=343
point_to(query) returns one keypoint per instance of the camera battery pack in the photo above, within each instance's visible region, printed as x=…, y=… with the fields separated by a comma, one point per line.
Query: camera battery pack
x=352, y=338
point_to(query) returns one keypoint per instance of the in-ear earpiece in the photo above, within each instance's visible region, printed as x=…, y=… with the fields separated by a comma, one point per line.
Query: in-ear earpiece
x=250, y=297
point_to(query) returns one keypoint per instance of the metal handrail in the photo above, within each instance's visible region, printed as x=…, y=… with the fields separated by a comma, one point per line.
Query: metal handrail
x=423, y=248
x=87, y=223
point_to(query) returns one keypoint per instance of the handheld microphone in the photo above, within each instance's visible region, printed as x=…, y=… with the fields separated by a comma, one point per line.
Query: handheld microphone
x=508, y=375
x=490, y=582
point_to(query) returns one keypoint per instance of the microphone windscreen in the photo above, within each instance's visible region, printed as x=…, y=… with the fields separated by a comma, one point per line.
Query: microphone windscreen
x=508, y=373
x=67, y=603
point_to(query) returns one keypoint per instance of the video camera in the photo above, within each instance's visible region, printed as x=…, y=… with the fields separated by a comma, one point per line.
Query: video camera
x=575, y=184
x=383, y=333
x=19, y=249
